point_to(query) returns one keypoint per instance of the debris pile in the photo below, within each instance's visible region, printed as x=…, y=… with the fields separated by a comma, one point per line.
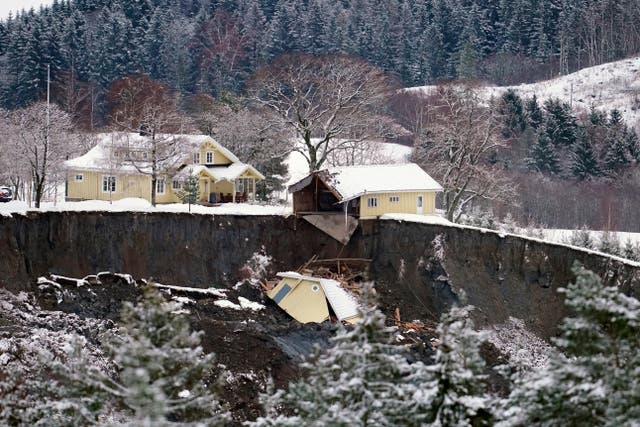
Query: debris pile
x=349, y=272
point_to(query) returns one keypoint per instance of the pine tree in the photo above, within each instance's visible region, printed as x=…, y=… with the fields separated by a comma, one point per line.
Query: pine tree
x=533, y=113
x=560, y=123
x=456, y=387
x=632, y=144
x=161, y=368
x=510, y=107
x=542, y=156
x=190, y=190
x=362, y=380
x=583, y=163
x=593, y=378
x=631, y=250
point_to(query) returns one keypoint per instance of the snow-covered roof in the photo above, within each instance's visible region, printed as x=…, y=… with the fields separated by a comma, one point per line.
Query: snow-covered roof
x=344, y=304
x=220, y=173
x=350, y=182
x=101, y=158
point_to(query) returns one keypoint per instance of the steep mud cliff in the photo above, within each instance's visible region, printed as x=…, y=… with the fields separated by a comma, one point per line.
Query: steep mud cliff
x=419, y=268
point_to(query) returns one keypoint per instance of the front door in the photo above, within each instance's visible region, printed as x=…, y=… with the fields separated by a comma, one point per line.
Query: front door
x=419, y=205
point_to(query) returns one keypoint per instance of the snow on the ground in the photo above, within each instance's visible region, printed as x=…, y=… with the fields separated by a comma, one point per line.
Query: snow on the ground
x=427, y=219
x=141, y=205
x=605, y=87
x=221, y=293
x=244, y=304
x=251, y=305
x=225, y=303
x=564, y=236
x=522, y=347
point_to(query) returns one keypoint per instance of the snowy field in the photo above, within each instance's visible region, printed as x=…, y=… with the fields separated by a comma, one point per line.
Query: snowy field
x=605, y=87
x=141, y=205
x=564, y=236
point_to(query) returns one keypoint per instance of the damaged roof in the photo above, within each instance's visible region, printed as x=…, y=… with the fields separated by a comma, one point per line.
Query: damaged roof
x=350, y=182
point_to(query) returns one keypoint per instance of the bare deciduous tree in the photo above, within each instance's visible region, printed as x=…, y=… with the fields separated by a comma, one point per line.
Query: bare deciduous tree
x=139, y=104
x=330, y=102
x=457, y=148
x=38, y=145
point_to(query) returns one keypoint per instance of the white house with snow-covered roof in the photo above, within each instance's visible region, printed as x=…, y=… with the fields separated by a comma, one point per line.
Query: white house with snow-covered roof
x=119, y=166
x=366, y=191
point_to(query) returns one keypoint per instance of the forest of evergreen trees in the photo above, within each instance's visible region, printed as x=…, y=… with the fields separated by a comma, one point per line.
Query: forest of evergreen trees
x=212, y=46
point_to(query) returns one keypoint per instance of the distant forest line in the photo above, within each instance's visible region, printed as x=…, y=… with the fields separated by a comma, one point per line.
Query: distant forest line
x=212, y=47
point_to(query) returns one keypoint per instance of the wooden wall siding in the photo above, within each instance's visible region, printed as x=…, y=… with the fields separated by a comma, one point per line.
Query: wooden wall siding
x=304, y=201
x=302, y=302
x=127, y=185
x=406, y=204
x=218, y=157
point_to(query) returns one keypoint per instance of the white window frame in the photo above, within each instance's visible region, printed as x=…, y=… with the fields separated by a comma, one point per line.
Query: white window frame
x=372, y=202
x=79, y=177
x=176, y=184
x=109, y=184
x=394, y=199
x=161, y=185
x=208, y=158
x=196, y=158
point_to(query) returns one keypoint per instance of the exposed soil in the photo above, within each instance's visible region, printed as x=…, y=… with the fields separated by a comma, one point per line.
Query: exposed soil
x=419, y=271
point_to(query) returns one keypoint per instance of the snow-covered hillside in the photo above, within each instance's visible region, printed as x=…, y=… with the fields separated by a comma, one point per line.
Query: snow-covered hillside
x=607, y=86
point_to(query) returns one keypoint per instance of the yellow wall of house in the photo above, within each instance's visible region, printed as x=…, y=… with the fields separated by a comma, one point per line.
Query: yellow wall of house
x=218, y=157
x=302, y=302
x=127, y=185
x=407, y=203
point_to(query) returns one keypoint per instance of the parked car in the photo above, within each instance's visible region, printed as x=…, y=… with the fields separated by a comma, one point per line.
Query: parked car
x=6, y=195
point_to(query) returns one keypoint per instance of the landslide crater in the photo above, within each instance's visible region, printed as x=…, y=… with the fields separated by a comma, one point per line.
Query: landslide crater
x=420, y=269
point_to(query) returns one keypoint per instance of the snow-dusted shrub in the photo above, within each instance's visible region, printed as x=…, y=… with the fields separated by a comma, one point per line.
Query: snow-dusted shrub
x=363, y=379
x=581, y=238
x=593, y=377
x=609, y=244
x=161, y=368
x=631, y=250
x=150, y=372
x=454, y=386
x=32, y=341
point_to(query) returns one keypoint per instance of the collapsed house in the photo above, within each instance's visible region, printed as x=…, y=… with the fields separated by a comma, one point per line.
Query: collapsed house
x=312, y=299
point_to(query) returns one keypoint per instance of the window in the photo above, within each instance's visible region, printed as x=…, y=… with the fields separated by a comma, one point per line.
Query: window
x=196, y=158
x=240, y=185
x=160, y=186
x=372, y=202
x=176, y=185
x=209, y=158
x=144, y=154
x=79, y=177
x=394, y=199
x=108, y=184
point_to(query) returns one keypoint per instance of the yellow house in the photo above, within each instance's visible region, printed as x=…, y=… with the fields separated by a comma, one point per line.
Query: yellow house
x=307, y=299
x=367, y=191
x=119, y=166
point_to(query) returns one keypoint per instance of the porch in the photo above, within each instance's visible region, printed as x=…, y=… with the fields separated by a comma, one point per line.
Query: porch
x=241, y=190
